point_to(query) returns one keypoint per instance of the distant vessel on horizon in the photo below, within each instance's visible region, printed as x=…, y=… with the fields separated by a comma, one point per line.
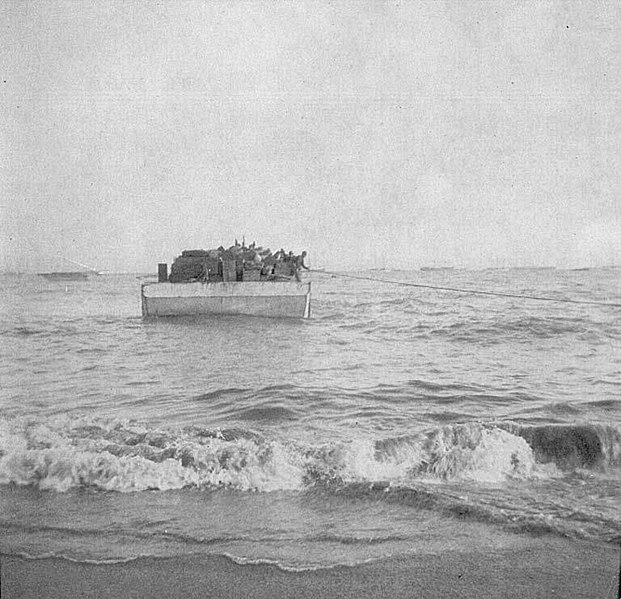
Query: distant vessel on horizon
x=76, y=275
x=70, y=275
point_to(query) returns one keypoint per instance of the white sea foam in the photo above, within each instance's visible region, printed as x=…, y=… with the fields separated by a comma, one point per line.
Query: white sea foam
x=476, y=452
x=68, y=458
x=123, y=456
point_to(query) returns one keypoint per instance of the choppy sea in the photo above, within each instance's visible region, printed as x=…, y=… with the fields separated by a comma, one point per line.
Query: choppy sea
x=396, y=420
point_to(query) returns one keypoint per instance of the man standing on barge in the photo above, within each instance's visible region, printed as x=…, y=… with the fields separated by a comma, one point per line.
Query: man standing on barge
x=299, y=264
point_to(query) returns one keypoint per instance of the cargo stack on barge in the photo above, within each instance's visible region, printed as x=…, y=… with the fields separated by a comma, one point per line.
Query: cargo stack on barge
x=238, y=280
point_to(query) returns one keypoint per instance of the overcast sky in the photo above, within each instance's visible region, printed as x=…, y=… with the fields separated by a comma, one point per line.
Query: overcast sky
x=466, y=133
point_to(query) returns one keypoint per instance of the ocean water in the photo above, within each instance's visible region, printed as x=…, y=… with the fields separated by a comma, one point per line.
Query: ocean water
x=397, y=420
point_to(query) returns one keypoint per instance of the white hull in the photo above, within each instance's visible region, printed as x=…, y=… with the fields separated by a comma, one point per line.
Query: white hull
x=265, y=298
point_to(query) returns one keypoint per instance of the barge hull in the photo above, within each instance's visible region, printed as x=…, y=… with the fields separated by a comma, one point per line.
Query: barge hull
x=269, y=299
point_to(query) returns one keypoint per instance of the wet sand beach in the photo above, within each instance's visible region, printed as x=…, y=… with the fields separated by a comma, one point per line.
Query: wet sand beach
x=535, y=569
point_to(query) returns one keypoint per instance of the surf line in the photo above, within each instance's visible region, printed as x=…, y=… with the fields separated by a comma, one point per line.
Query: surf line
x=472, y=291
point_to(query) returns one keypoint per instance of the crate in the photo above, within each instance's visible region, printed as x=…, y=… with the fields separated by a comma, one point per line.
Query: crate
x=252, y=274
x=284, y=269
x=186, y=269
x=229, y=270
x=213, y=267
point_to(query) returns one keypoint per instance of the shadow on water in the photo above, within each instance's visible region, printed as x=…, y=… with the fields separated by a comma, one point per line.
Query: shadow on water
x=233, y=321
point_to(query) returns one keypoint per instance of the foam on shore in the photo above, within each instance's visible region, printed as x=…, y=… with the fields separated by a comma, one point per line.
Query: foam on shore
x=533, y=569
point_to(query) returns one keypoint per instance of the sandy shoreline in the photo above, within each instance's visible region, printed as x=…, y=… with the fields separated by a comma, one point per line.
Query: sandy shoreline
x=542, y=568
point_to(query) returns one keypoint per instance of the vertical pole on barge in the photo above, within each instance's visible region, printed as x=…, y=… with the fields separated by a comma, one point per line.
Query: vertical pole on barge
x=143, y=301
x=162, y=272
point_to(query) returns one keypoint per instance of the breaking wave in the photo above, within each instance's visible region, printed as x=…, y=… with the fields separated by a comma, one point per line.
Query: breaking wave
x=124, y=456
x=573, y=446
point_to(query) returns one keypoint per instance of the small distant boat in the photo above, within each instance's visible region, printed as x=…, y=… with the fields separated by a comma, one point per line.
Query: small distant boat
x=235, y=281
x=70, y=275
x=77, y=275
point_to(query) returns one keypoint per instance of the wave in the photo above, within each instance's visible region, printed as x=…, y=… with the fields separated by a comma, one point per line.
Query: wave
x=481, y=328
x=63, y=330
x=22, y=331
x=355, y=540
x=511, y=512
x=112, y=533
x=527, y=331
x=82, y=560
x=126, y=456
x=236, y=559
x=523, y=328
x=572, y=446
x=223, y=394
x=273, y=413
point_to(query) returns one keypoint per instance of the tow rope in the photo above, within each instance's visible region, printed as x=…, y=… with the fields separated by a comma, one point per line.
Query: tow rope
x=472, y=291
